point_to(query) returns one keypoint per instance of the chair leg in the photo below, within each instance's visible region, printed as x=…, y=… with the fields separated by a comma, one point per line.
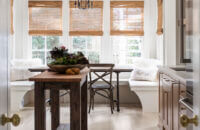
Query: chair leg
x=93, y=100
x=90, y=101
x=111, y=101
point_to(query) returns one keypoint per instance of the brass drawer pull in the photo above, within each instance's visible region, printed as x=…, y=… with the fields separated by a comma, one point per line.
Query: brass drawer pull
x=183, y=108
x=185, y=121
x=183, y=91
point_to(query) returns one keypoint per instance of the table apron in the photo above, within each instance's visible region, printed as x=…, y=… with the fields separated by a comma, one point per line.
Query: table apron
x=61, y=86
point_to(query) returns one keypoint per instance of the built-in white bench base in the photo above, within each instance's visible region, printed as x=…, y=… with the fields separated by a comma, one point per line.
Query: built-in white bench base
x=64, y=127
x=18, y=90
x=148, y=94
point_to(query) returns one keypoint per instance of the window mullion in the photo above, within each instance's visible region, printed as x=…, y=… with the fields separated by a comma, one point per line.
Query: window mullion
x=45, y=50
x=66, y=18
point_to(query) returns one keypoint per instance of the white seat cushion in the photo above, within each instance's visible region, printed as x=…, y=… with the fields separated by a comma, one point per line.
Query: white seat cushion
x=19, y=68
x=21, y=74
x=142, y=85
x=26, y=62
x=22, y=85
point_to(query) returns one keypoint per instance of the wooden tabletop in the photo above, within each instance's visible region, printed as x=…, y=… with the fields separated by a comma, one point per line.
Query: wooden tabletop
x=115, y=69
x=48, y=76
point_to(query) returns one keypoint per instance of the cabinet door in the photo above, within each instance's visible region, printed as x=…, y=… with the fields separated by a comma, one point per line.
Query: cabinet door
x=182, y=108
x=160, y=100
x=167, y=104
x=175, y=105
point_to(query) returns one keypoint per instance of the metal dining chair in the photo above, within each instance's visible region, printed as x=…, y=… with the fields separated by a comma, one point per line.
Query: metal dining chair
x=101, y=72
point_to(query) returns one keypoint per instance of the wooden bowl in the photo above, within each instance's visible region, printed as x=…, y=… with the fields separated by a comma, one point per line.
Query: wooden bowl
x=63, y=68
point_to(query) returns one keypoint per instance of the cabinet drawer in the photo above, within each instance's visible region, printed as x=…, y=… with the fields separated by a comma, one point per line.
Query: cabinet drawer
x=166, y=77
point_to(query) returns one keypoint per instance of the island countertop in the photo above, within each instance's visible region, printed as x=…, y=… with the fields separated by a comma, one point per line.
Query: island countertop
x=177, y=73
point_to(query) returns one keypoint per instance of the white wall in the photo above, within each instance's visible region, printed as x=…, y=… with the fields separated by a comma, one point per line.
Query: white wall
x=150, y=26
x=21, y=43
x=159, y=47
x=170, y=27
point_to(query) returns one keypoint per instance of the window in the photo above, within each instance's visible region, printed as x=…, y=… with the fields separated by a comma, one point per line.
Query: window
x=89, y=45
x=127, y=18
x=126, y=48
x=41, y=45
x=86, y=29
x=45, y=26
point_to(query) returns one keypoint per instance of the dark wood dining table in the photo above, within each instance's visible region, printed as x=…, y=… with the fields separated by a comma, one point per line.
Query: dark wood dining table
x=77, y=84
x=116, y=70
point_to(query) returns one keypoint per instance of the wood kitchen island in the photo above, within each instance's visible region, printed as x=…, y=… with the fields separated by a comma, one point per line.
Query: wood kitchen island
x=77, y=84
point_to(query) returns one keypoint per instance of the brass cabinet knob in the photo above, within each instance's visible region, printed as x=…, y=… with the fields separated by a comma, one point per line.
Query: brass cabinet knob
x=185, y=121
x=15, y=120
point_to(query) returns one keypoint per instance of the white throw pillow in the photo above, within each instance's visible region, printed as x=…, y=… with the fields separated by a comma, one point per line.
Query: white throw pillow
x=144, y=74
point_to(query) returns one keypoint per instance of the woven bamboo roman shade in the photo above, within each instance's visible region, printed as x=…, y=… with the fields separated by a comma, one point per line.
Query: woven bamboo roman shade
x=86, y=21
x=160, y=17
x=127, y=18
x=45, y=17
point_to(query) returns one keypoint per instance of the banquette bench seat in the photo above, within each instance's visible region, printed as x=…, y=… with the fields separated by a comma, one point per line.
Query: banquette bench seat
x=146, y=90
x=19, y=84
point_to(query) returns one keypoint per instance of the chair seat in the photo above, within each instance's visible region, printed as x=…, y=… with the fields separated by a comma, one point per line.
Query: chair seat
x=100, y=86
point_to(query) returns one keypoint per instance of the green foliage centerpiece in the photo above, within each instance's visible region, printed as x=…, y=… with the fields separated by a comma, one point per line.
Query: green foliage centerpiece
x=64, y=62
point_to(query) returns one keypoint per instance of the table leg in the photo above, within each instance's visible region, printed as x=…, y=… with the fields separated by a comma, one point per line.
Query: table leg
x=84, y=112
x=40, y=109
x=118, y=108
x=55, y=109
x=75, y=107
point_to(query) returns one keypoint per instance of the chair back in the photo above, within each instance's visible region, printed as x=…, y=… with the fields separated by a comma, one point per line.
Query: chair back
x=104, y=69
